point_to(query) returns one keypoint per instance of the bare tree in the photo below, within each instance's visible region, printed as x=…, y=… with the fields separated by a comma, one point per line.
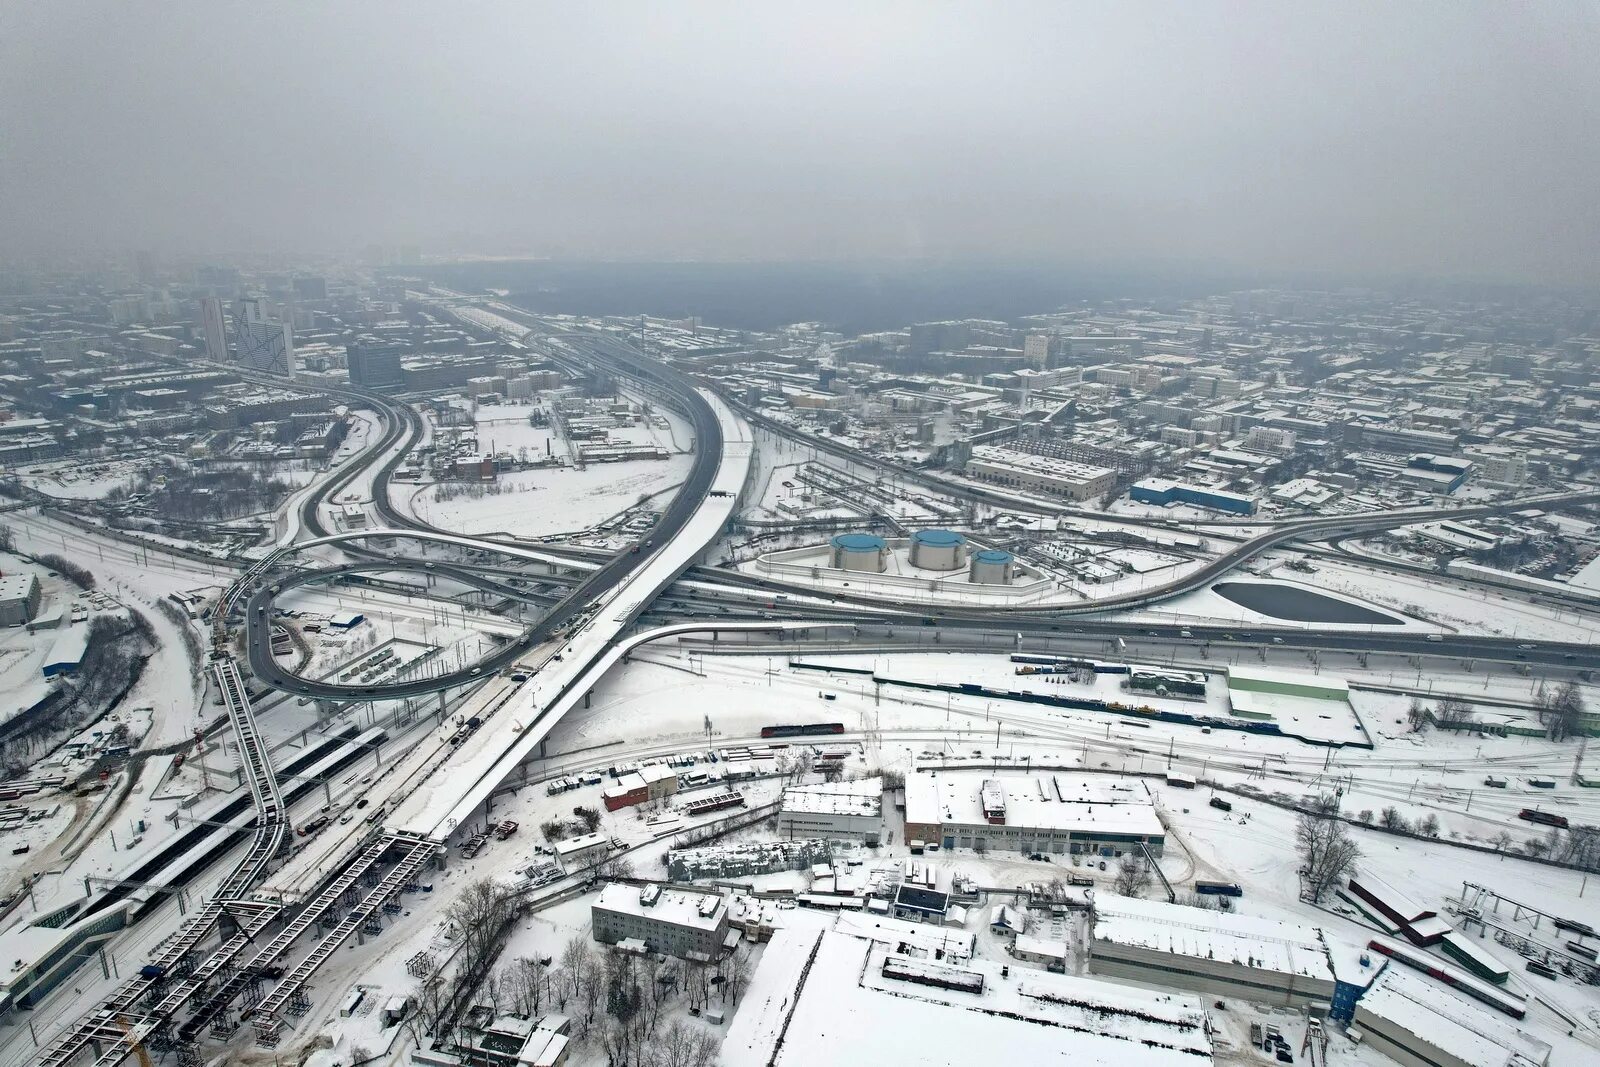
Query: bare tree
x=1453, y=712
x=683, y=1045
x=1429, y=825
x=575, y=958
x=525, y=980
x=1133, y=876
x=736, y=975
x=1560, y=710
x=1391, y=819
x=1328, y=853
x=1416, y=715
x=617, y=868
x=1579, y=846
x=592, y=988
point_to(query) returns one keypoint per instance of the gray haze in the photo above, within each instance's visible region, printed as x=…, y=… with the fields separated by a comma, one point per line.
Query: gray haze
x=1452, y=139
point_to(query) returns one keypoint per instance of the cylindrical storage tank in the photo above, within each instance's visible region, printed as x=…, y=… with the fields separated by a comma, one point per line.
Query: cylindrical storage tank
x=991, y=567
x=860, y=552
x=938, y=550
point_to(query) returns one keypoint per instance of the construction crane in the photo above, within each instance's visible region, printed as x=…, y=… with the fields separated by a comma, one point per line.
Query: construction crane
x=135, y=1045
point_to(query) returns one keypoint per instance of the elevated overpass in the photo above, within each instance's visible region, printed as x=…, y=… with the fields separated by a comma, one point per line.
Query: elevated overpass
x=496, y=749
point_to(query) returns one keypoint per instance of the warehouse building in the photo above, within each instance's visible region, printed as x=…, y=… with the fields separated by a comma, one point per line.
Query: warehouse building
x=1055, y=814
x=650, y=782
x=19, y=598
x=1211, y=952
x=1267, y=694
x=834, y=997
x=648, y=918
x=66, y=654
x=1418, y=1023
x=584, y=850
x=834, y=811
x=1161, y=492
x=1040, y=474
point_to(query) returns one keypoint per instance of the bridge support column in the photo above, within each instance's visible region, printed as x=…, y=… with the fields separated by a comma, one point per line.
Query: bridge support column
x=542, y=741
x=588, y=698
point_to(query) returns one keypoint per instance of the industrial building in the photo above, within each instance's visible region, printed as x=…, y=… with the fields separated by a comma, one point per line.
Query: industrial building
x=847, y=999
x=489, y=1040
x=1211, y=952
x=938, y=550
x=859, y=552
x=692, y=926
x=991, y=566
x=66, y=654
x=1056, y=814
x=833, y=811
x=1417, y=1023
x=1040, y=474
x=584, y=850
x=1267, y=694
x=1161, y=492
x=19, y=598
x=650, y=782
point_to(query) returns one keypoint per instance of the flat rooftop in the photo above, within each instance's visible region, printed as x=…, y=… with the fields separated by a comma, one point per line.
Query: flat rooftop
x=671, y=905
x=1046, y=801
x=1212, y=935
x=822, y=997
x=863, y=797
x=1466, y=1030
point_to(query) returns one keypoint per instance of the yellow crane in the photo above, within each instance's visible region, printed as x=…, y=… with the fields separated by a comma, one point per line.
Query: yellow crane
x=136, y=1045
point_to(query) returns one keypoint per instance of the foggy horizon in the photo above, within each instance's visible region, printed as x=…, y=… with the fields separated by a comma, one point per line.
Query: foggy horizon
x=1432, y=140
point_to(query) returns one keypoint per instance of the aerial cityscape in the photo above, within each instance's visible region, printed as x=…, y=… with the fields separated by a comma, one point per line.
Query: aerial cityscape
x=443, y=632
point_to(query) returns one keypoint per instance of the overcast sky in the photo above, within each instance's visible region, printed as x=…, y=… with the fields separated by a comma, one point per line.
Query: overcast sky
x=1440, y=139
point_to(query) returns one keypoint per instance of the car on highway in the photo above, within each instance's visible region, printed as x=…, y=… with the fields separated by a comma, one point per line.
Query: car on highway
x=1526, y=648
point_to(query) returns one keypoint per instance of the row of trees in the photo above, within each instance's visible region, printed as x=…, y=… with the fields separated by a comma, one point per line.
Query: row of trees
x=1559, y=709
x=615, y=999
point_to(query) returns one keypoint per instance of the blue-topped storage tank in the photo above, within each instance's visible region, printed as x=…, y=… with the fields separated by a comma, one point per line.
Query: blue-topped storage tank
x=860, y=552
x=938, y=550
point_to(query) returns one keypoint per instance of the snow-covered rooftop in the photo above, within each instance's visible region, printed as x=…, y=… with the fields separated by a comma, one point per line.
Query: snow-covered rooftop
x=1412, y=1004
x=702, y=911
x=1049, y=801
x=820, y=997
x=863, y=797
x=1196, y=932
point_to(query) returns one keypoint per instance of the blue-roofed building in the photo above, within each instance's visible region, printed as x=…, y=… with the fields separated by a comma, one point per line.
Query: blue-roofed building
x=1161, y=493
x=66, y=654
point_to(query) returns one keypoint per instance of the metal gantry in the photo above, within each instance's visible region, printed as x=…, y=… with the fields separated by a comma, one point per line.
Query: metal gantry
x=116, y=1029
x=418, y=852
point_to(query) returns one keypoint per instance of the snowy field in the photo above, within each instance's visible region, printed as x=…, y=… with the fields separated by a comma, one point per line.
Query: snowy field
x=542, y=503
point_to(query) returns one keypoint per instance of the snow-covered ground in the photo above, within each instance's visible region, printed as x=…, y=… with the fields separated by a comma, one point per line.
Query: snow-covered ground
x=543, y=502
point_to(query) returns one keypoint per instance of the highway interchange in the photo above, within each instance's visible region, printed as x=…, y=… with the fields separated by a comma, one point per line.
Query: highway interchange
x=579, y=586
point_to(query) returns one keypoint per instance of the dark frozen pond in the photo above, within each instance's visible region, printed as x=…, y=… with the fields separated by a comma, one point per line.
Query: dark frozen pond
x=1292, y=604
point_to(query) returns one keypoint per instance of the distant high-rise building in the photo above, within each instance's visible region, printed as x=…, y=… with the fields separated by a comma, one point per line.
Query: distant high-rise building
x=264, y=343
x=214, y=329
x=1036, y=351
x=311, y=288
x=374, y=365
